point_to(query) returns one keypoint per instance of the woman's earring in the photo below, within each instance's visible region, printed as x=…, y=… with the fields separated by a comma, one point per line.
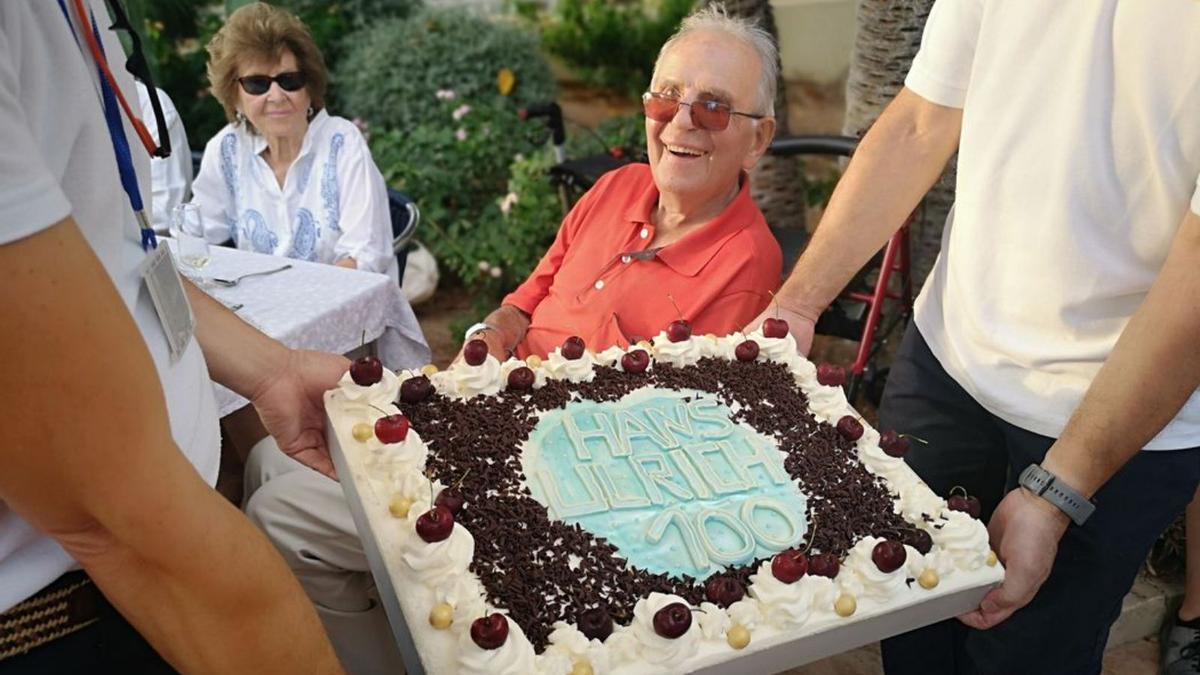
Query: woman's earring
x=241, y=119
x=311, y=113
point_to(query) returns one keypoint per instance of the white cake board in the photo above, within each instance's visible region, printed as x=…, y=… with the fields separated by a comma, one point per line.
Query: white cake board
x=384, y=584
x=769, y=654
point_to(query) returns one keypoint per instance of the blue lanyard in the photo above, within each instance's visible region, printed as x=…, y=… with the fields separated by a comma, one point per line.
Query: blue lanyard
x=116, y=131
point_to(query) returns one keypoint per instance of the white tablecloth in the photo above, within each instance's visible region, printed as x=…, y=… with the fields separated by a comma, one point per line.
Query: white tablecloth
x=316, y=306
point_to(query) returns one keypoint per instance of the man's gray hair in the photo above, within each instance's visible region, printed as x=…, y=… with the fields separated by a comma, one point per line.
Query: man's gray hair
x=716, y=19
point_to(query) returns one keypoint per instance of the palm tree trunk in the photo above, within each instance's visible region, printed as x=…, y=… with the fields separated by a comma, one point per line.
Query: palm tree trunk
x=889, y=34
x=776, y=183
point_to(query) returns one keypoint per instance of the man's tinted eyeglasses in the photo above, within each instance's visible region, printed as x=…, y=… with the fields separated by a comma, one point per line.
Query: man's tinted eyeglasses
x=706, y=114
x=257, y=85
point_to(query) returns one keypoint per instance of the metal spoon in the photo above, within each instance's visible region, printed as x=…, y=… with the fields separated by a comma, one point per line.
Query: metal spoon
x=229, y=283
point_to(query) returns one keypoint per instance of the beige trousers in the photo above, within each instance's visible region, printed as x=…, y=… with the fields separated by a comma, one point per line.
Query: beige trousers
x=305, y=516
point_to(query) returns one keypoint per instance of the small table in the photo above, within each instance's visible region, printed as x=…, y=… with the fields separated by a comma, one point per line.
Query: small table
x=315, y=306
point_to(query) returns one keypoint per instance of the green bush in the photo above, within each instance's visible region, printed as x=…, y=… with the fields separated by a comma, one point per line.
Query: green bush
x=391, y=73
x=457, y=170
x=332, y=22
x=515, y=230
x=613, y=44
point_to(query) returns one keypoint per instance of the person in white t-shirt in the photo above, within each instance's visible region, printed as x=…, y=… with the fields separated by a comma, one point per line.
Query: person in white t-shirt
x=285, y=177
x=170, y=177
x=1059, y=324
x=109, y=442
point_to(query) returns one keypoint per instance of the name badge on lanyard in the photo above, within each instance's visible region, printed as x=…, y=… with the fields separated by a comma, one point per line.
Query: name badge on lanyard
x=158, y=271
x=162, y=279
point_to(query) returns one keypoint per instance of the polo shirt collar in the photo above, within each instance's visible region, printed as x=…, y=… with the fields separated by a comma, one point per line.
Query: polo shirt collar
x=690, y=254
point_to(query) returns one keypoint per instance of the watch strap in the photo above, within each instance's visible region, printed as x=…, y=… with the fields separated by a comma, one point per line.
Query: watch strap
x=476, y=328
x=1046, y=485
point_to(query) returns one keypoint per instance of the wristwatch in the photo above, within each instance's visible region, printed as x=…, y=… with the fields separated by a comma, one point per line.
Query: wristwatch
x=477, y=328
x=1049, y=487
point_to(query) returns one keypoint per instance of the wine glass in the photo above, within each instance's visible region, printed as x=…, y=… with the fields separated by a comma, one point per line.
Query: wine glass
x=189, y=236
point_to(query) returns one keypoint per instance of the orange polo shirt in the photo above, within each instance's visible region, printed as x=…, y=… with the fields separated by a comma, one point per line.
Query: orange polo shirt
x=602, y=282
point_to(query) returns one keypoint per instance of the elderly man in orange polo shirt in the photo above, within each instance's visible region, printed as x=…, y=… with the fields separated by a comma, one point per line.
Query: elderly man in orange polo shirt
x=679, y=238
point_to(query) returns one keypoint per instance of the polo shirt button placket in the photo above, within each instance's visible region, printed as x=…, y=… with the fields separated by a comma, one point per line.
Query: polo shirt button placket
x=625, y=259
x=599, y=284
x=644, y=233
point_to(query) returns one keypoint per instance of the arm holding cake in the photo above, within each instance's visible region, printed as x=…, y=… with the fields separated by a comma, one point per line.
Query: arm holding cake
x=285, y=385
x=1132, y=398
x=897, y=161
x=1128, y=403
x=105, y=479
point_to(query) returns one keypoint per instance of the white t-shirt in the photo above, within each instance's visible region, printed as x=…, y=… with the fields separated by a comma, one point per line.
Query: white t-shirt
x=333, y=203
x=1078, y=160
x=56, y=159
x=170, y=177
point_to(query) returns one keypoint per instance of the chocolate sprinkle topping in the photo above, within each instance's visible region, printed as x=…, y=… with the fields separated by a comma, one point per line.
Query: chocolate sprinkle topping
x=521, y=555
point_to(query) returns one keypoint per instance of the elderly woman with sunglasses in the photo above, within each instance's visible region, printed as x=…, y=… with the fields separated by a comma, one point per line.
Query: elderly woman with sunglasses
x=679, y=238
x=284, y=176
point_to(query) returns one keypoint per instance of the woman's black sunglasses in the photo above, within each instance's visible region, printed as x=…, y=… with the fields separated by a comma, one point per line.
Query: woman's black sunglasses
x=257, y=85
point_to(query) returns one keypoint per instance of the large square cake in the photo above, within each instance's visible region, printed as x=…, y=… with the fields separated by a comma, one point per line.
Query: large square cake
x=691, y=504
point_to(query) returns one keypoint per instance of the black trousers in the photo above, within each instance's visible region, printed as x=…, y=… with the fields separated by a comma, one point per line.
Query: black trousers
x=1065, y=628
x=110, y=645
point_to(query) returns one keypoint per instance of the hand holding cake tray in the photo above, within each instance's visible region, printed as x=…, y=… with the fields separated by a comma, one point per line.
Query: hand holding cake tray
x=699, y=504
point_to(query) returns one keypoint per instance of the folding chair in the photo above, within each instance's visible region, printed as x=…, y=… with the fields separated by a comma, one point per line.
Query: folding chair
x=405, y=218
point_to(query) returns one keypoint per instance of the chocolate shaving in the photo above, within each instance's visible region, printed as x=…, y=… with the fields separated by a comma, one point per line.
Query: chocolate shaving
x=521, y=555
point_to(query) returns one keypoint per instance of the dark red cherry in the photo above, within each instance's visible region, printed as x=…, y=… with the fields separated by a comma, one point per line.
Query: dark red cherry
x=888, y=555
x=788, y=566
x=918, y=539
x=723, y=591
x=775, y=328
x=452, y=498
x=831, y=375
x=475, y=352
x=489, y=632
x=415, y=389
x=573, y=348
x=636, y=361
x=850, y=428
x=521, y=378
x=595, y=623
x=965, y=503
x=435, y=524
x=746, y=351
x=673, y=620
x=894, y=444
x=679, y=330
x=366, y=371
x=391, y=428
x=824, y=565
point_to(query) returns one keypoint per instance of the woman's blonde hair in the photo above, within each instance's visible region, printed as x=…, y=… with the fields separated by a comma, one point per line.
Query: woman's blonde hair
x=260, y=32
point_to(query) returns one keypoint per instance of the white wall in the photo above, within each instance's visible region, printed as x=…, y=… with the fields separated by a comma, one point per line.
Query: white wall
x=815, y=38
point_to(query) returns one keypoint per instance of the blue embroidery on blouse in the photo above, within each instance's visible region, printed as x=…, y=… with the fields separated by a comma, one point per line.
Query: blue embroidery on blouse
x=229, y=172
x=305, y=172
x=304, y=241
x=262, y=238
x=330, y=190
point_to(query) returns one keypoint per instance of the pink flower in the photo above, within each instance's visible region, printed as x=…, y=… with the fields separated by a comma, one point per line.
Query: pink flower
x=461, y=134
x=460, y=112
x=445, y=94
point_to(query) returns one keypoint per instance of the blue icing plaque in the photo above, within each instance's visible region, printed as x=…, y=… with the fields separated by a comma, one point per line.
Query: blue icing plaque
x=667, y=478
